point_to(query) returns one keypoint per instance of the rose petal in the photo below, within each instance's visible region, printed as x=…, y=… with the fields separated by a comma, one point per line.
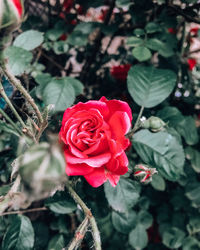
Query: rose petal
x=78, y=169
x=95, y=161
x=119, y=165
x=120, y=125
x=97, y=177
x=100, y=106
x=116, y=105
x=113, y=179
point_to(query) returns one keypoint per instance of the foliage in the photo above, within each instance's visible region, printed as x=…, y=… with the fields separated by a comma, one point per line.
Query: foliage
x=65, y=53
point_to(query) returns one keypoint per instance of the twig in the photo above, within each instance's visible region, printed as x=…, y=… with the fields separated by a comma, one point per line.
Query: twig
x=31, y=210
x=10, y=121
x=7, y=100
x=88, y=214
x=182, y=13
x=53, y=62
x=79, y=235
x=16, y=83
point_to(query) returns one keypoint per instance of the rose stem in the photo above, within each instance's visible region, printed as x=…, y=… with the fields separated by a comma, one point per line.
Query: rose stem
x=79, y=235
x=16, y=83
x=7, y=100
x=88, y=214
x=10, y=121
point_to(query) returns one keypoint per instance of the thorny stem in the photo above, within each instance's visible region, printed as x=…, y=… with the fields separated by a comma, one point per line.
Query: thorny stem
x=7, y=100
x=16, y=83
x=88, y=214
x=9, y=120
x=137, y=123
x=79, y=235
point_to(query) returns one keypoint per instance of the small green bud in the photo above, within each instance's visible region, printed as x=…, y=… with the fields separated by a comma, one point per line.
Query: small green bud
x=154, y=123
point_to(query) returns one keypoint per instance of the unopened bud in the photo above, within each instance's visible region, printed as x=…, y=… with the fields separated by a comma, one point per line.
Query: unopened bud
x=144, y=173
x=154, y=123
x=11, y=14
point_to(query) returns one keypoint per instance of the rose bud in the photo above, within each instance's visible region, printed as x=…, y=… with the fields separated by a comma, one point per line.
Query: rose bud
x=144, y=173
x=11, y=14
x=154, y=123
x=93, y=134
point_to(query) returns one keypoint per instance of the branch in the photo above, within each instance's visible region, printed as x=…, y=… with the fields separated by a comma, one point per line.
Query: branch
x=31, y=210
x=79, y=235
x=16, y=83
x=182, y=13
x=88, y=214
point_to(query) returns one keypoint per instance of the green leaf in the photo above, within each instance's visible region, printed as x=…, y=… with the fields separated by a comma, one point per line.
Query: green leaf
x=138, y=237
x=134, y=41
x=124, y=222
x=20, y=234
x=141, y=53
x=124, y=196
x=158, y=183
x=57, y=242
x=149, y=86
x=41, y=235
x=18, y=59
x=29, y=40
x=194, y=156
x=173, y=237
x=152, y=27
x=154, y=44
x=60, y=93
x=161, y=150
x=191, y=243
x=184, y=125
x=7, y=128
x=139, y=32
x=60, y=47
x=145, y=219
x=61, y=203
x=194, y=224
x=192, y=193
x=76, y=84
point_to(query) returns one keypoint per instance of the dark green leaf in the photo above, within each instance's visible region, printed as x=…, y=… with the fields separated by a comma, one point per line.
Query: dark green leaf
x=152, y=27
x=158, y=182
x=161, y=150
x=57, y=242
x=145, y=219
x=61, y=203
x=20, y=235
x=149, y=86
x=173, y=237
x=124, y=222
x=191, y=243
x=194, y=156
x=124, y=196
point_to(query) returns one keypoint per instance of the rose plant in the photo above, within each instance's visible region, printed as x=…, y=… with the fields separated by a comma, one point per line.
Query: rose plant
x=76, y=170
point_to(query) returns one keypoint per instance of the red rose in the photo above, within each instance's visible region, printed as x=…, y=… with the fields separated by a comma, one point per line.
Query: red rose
x=120, y=72
x=94, y=140
x=191, y=63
